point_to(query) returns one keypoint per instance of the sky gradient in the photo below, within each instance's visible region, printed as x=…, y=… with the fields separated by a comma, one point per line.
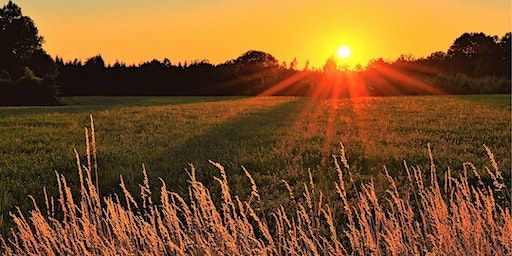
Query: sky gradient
x=133, y=31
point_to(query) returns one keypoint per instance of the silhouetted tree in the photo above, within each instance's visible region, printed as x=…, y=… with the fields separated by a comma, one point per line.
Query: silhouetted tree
x=119, y=64
x=330, y=65
x=293, y=64
x=375, y=63
x=505, y=50
x=42, y=64
x=95, y=62
x=474, y=54
x=20, y=39
x=405, y=58
x=306, y=66
x=24, y=61
x=167, y=62
x=258, y=58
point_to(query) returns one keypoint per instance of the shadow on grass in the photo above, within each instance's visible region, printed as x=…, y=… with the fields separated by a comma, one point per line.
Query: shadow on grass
x=246, y=139
x=88, y=104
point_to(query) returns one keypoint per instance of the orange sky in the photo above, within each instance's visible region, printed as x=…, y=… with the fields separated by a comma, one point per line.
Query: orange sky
x=219, y=30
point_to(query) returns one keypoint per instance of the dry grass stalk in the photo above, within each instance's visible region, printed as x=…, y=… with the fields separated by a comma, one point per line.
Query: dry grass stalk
x=460, y=220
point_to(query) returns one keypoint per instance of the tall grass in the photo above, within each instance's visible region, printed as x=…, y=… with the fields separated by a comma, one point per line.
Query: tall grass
x=423, y=217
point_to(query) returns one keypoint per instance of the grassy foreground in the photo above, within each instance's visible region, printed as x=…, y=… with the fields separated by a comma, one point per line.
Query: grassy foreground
x=454, y=218
x=275, y=138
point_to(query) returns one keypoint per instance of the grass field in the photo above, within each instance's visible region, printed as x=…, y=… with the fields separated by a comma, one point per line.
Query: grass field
x=275, y=138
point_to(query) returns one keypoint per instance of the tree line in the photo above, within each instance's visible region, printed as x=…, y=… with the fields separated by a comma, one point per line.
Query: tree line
x=247, y=75
x=474, y=63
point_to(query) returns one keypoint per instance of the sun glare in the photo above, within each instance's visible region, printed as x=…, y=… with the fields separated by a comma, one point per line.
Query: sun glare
x=344, y=52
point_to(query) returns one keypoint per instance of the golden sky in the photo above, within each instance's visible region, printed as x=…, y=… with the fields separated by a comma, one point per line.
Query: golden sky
x=218, y=30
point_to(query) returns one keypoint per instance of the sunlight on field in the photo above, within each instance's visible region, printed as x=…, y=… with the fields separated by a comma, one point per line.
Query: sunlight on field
x=274, y=137
x=210, y=219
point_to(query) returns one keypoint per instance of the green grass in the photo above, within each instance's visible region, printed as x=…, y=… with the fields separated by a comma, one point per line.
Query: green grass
x=275, y=138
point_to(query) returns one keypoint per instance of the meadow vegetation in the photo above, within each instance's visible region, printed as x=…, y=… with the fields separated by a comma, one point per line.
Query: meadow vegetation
x=273, y=137
x=448, y=216
x=293, y=189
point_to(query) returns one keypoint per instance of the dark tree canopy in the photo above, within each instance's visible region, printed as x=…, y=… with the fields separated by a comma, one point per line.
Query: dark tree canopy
x=506, y=54
x=259, y=58
x=477, y=54
x=28, y=72
x=95, y=62
x=19, y=39
x=473, y=44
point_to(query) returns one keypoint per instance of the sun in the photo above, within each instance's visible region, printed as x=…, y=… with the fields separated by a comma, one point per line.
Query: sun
x=344, y=52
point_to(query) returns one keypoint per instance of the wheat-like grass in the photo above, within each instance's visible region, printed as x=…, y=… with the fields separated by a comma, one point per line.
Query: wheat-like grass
x=461, y=219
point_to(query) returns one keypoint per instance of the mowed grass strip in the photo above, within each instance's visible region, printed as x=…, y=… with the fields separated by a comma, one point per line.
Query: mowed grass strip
x=274, y=137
